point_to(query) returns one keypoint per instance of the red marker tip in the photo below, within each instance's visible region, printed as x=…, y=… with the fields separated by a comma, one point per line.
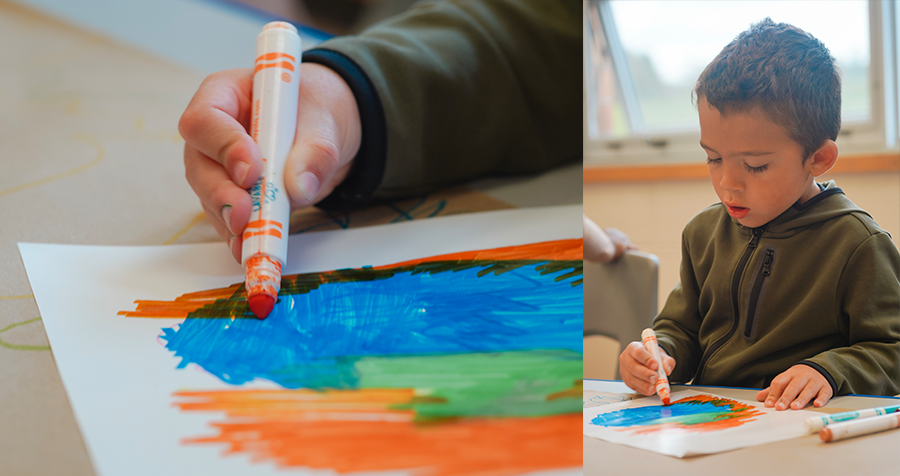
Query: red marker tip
x=261, y=305
x=665, y=401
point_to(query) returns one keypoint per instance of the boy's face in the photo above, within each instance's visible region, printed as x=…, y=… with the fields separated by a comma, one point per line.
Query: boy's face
x=755, y=167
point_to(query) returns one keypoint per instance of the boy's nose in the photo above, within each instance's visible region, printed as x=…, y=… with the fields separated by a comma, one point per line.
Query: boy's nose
x=729, y=181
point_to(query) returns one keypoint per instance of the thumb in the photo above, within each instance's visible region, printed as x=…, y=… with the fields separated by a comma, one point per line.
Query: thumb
x=310, y=173
x=668, y=364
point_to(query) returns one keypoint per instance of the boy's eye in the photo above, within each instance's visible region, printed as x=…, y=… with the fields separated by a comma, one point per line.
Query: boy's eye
x=757, y=170
x=712, y=161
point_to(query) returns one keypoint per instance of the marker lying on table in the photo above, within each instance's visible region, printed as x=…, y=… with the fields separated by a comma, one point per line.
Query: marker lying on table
x=276, y=80
x=815, y=424
x=859, y=427
x=648, y=337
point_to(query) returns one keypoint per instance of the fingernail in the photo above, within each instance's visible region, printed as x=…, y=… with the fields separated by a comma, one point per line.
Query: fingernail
x=770, y=402
x=309, y=185
x=240, y=173
x=226, y=217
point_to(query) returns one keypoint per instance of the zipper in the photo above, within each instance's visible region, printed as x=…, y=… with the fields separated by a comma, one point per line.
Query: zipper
x=757, y=287
x=735, y=305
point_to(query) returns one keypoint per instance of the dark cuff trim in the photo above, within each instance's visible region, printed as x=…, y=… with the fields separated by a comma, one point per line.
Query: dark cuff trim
x=825, y=373
x=368, y=166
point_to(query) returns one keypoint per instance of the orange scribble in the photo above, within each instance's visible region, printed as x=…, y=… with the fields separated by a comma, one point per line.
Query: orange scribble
x=575, y=391
x=354, y=430
x=303, y=404
x=559, y=250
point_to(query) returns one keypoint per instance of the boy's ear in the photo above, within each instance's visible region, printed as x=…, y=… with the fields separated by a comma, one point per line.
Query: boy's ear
x=823, y=159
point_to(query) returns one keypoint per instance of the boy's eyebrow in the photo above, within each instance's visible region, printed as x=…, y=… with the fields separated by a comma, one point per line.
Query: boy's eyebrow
x=750, y=153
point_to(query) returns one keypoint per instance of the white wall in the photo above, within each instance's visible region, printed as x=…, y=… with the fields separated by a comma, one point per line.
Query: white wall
x=654, y=213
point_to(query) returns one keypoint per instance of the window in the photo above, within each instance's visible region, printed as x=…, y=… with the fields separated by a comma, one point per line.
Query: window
x=643, y=58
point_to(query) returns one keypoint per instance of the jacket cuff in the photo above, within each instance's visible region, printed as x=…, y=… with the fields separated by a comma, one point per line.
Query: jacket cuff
x=825, y=373
x=368, y=165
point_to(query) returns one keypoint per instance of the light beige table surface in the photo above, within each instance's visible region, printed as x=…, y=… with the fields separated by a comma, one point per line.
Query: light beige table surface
x=871, y=455
x=90, y=154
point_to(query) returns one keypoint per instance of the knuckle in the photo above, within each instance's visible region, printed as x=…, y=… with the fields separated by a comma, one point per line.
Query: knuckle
x=187, y=124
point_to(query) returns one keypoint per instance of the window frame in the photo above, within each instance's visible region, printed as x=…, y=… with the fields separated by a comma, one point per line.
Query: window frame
x=880, y=133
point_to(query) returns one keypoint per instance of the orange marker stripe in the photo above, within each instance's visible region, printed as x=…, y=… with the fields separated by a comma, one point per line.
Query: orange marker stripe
x=271, y=56
x=262, y=223
x=275, y=233
x=283, y=64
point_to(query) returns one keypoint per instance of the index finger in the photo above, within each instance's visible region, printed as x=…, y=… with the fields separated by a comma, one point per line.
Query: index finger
x=216, y=120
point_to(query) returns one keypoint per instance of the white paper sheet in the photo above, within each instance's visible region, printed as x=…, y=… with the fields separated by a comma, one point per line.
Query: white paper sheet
x=764, y=426
x=118, y=378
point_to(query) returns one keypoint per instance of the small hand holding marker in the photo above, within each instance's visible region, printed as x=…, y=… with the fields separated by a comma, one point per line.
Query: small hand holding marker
x=795, y=387
x=641, y=371
x=222, y=161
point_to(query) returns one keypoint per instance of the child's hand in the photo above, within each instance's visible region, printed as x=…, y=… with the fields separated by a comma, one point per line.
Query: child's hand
x=795, y=387
x=638, y=368
x=222, y=161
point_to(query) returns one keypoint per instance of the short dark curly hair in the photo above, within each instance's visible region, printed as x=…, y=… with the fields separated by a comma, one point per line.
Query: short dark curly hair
x=785, y=71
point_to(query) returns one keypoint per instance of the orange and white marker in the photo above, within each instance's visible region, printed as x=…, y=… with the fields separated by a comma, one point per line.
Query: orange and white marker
x=859, y=427
x=276, y=86
x=648, y=337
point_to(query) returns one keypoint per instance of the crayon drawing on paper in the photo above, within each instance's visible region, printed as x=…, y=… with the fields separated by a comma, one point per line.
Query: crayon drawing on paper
x=460, y=363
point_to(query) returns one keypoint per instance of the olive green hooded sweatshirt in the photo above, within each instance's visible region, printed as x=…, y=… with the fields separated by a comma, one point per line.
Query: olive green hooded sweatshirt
x=454, y=90
x=819, y=285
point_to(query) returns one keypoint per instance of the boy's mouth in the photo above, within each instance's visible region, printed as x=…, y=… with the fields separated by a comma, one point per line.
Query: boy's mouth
x=737, y=212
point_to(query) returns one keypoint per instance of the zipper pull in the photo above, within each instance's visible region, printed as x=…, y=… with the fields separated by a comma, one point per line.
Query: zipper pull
x=767, y=263
x=754, y=238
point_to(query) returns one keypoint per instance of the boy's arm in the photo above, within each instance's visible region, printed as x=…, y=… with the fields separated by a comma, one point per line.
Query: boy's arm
x=869, y=302
x=466, y=88
x=678, y=324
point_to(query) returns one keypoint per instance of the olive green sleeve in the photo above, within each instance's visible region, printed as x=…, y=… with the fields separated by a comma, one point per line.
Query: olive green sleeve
x=869, y=317
x=678, y=324
x=471, y=88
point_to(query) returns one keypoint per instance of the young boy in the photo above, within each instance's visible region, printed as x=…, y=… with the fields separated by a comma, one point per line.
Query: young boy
x=786, y=285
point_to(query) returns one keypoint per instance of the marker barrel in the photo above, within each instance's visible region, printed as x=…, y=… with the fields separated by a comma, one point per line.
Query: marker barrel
x=276, y=80
x=648, y=338
x=859, y=427
x=814, y=424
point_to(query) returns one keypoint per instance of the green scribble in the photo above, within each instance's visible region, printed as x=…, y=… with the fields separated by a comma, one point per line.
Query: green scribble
x=17, y=346
x=517, y=383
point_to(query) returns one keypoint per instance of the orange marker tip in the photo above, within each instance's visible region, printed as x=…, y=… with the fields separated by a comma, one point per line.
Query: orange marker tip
x=666, y=401
x=261, y=305
x=825, y=434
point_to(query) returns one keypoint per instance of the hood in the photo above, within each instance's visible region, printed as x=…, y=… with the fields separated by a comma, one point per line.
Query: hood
x=829, y=203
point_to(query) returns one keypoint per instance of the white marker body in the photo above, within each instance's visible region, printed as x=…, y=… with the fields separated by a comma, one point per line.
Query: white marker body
x=273, y=126
x=814, y=424
x=648, y=338
x=859, y=427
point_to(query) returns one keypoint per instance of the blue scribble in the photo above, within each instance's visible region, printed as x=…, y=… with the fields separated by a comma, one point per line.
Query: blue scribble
x=314, y=339
x=655, y=414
